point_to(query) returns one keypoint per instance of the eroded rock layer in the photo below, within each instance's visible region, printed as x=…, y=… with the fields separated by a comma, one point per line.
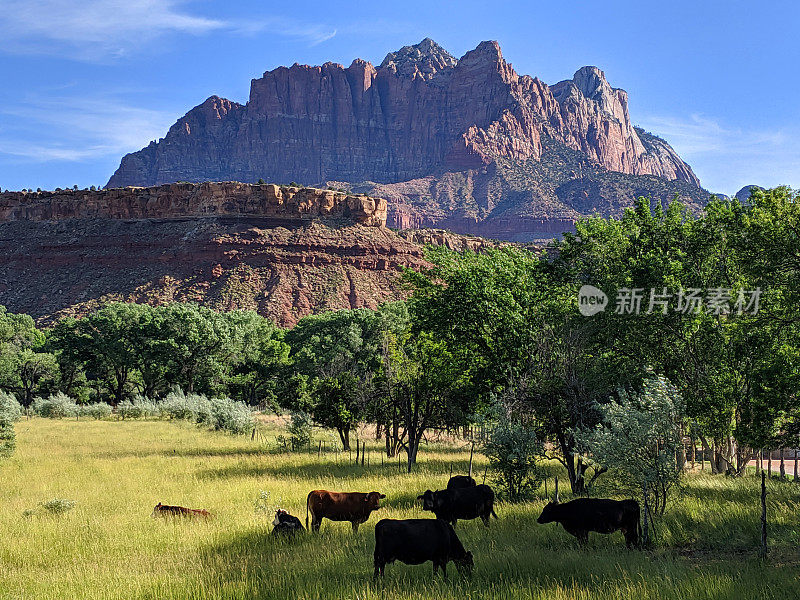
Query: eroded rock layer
x=188, y=199
x=68, y=267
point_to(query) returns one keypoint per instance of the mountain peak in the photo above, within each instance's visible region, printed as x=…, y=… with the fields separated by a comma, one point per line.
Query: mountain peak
x=425, y=59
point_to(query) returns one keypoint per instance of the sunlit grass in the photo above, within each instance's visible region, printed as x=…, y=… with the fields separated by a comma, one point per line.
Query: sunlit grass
x=108, y=547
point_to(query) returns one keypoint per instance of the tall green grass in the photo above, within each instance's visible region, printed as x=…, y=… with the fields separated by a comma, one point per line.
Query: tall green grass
x=116, y=471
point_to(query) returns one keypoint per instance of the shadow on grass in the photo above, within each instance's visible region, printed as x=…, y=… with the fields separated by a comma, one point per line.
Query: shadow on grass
x=511, y=561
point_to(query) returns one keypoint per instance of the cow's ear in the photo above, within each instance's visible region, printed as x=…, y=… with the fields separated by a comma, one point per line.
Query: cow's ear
x=381, y=496
x=421, y=497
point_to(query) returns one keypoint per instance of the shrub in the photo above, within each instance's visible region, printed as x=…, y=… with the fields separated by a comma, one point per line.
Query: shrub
x=8, y=438
x=54, y=506
x=178, y=405
x=204, y=415
x=56, y=406
x=230, y=416
x=10, y=409
x=138, y=408
x=300, y=430
x=512, y=449
x=640, y=438
x=97, y=410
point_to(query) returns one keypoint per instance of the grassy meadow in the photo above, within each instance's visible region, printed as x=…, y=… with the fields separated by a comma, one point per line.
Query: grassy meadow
x=109, y=547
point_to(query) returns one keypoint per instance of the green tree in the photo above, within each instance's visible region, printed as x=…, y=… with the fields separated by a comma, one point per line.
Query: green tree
x=640, y=439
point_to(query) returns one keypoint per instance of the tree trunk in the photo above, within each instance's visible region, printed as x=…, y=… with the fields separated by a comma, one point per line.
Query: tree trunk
x=344, y=435
x=783, y=465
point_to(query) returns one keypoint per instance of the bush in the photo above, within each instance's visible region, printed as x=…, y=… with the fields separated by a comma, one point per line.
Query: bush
x=640, y=439
x=10, y=409
x=512, y=449
x=178, y=405
x=54, y=506
x=97, y=410
x=56, y=406
x=230, y=416
x=300, y=430
x=8, y=438
x=140, y=407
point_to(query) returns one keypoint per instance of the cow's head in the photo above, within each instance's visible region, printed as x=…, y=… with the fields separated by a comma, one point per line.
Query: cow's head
x=278, y=514
x=427, y=500
x=548, y=513
x=465, y=564
x=373, y=500
x=156, y=510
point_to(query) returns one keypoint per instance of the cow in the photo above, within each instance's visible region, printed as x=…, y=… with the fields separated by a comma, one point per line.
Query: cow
x=286, y=524
x=416, y=541
x=458, y=482
x=165, y=510
x=341, y=506
x=463, y=503
x=583, y=515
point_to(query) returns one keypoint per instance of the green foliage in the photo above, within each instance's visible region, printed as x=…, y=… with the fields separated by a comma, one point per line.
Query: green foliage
x=138, y=408
x=95, y=410
x=222, y=414
x=56, y=406
x=10, y=409
x=512, y=449
x=299, y=430
x=640, y=438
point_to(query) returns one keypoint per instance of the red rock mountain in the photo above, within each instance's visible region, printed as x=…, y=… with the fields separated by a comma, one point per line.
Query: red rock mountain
x=282, y=251
x=460, y=143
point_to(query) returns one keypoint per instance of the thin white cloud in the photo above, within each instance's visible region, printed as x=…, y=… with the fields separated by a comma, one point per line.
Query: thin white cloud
x=61, y=129
x=102, y=30
x=727, y=158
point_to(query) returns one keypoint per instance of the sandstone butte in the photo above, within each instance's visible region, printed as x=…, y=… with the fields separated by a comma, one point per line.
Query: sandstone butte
x=465, y=144
x=284, y=252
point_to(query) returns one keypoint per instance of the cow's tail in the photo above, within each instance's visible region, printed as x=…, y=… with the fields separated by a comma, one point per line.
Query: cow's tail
x=308, y=501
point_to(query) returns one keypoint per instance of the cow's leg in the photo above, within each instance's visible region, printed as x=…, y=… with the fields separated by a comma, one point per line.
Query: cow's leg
x=454, y=522
x=444, y=569
x=435, y=569
x=583, y=537
x=379, y=564
x=485, y=519
x=315, y=522
x=355, y=526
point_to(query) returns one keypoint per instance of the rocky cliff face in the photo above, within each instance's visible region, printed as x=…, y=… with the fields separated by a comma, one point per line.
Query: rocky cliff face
x=188, y=199
x=420, y=114
x=69, y=267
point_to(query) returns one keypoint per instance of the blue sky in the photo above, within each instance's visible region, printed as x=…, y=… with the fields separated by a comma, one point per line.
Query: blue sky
x=85, y=82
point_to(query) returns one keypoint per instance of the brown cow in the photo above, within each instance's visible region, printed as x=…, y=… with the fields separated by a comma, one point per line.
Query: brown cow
x=341, y=506
x=165, y=510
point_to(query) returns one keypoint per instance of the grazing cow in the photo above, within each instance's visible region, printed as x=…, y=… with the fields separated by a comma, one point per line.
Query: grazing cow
x=165, y=510
x=463, y=503
x=341, y=506
x=416, y=541
x=458, y=482
x=583, y=515
x=286, y=524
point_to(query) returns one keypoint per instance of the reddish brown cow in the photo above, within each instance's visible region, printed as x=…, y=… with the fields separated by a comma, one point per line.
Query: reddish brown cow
x=165, y=510
x=341, y=506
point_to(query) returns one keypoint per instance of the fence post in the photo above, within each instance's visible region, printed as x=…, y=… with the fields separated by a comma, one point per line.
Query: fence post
x=796, y=474
x=763, y=550
x=645, y=541
x=783, y=466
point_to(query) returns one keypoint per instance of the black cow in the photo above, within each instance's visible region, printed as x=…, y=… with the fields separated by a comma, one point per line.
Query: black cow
x=464, y=503
x=458, y=482
x=416, y=541
x=286, y=524
x=583, y=515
